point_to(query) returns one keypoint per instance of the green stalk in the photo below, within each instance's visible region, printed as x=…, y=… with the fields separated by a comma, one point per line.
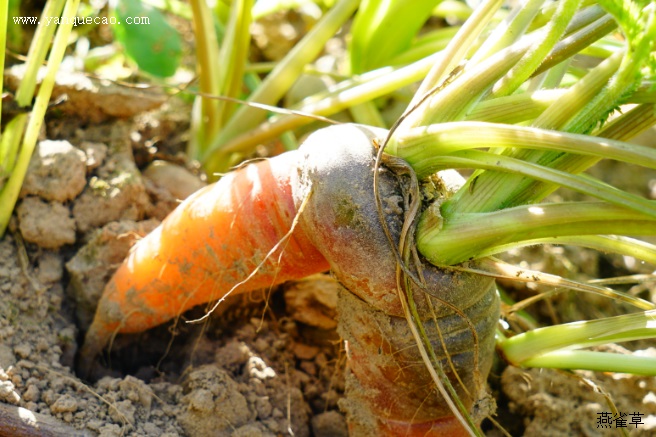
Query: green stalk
x=382, y=29
x=351, y=92
x=631, y=123
x=4, y=18
x=516, y=108
x=10, y=145
x=623, y=82
x=367, y=113
x=526, y=348
x=37, y=53
x=597, y=361
x=206, y=122
x=453, y=9
x=504, y=186
x=582, y=107
x=425, y=45
x=550, y=79
x=523, y=69
x=462, y=237
x=453, y=55
x=278, y=82
x=604, y=243
x=450, y=103
x=419, y=145
x=10, y=191
x=233, y=57
x=578, y=42
x=509, y=31
x=581, y=183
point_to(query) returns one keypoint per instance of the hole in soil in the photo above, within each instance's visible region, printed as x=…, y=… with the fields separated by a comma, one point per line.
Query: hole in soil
x=167, y=350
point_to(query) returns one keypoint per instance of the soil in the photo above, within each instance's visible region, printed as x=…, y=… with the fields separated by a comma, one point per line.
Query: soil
x=266, y=364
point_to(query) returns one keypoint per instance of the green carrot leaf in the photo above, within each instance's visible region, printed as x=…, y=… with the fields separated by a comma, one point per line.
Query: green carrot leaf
x=148, y=39
x=384, y=29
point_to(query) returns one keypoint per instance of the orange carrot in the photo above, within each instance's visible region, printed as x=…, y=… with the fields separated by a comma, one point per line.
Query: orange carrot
x=210, y=243
x=301, y=213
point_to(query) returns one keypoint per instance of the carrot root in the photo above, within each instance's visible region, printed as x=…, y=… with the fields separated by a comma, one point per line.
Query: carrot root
x=209, y=244
x=389, y=386
x=243, y=224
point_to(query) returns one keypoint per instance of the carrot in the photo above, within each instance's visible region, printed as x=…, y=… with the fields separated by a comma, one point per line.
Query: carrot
x=389, y=392
x=301, y=213
x=209, y=244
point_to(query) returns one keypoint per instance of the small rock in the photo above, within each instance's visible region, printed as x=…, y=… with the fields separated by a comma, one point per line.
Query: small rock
x=110, y=430
x=213, y=402
x=263, y=408
x=65, y=404
x=57, y=172
x=32, y=394
x=23, y=350
x=261, y=345
x=308, y=367
x=257, y=368
x=122, y=411
x=7, y=357
x=232, y=355
x=8, y=393
x=94, y=425
x=51, y=268
x=201, y=400
x=48, y=225
x=305, y=352
x=90, y=99
x=178, y=181
x=152, y=429
x=116, y=192
x=329, y=424
x=250, y=430
x=26, y=364
x=313, y=301
x=137, y=391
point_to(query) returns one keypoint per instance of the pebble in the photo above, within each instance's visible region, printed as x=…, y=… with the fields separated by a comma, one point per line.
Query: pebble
x=46, y=224
x=23, y=350
x=249, y=430
x=56, y=172
x=329, y=424
x=263, y=408
x=257, y=368
x=305, y=352
x=64, y=404
x=32, y=394
x=7, y=357
x=8, y=394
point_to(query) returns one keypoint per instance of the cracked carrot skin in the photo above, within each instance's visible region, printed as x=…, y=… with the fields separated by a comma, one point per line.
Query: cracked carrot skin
x=211, y=242
x=389, y=390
